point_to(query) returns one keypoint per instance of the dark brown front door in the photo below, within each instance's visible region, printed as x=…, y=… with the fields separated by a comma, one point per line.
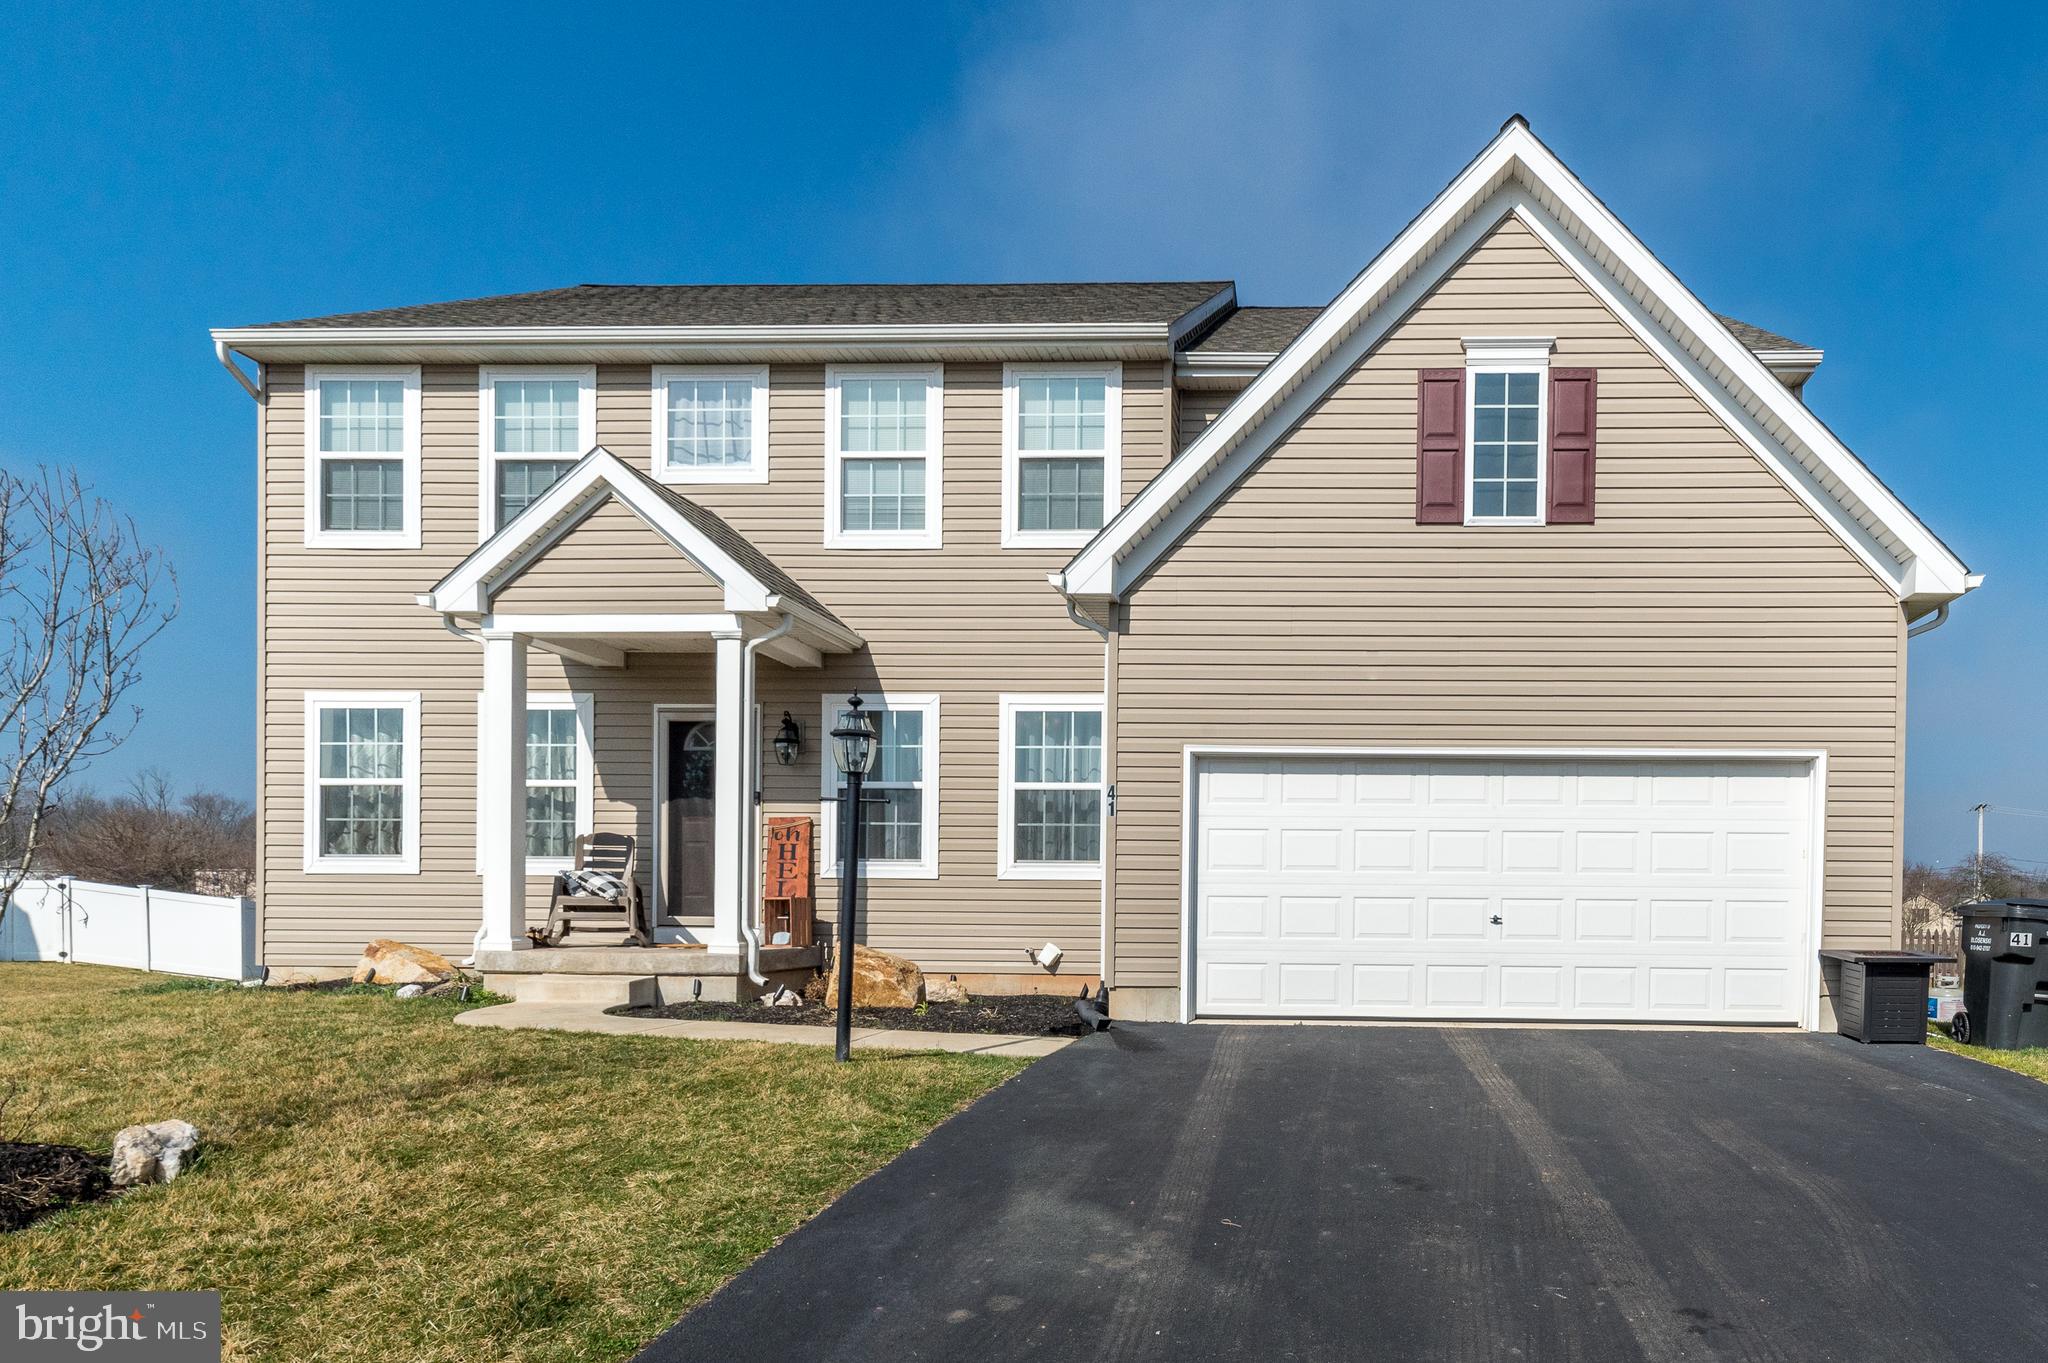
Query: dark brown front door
x=686, y=836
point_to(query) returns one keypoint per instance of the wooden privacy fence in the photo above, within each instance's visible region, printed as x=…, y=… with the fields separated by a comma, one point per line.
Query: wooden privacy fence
x=61, y=919
x=1940, y=938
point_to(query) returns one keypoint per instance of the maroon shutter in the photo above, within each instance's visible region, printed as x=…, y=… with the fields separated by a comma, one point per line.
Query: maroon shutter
x=1572, y=402
x=1440, y=447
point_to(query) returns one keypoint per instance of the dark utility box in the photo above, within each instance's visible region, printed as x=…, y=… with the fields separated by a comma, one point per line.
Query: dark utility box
x=2005, y=972
x=1883, y=995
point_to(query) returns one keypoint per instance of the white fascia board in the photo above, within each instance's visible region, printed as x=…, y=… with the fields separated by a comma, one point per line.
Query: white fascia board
x=1426, y=249
x=536, y=344
x=465, y=590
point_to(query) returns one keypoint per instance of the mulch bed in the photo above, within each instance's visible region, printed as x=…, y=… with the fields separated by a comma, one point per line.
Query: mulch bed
x=997, y=1014
x=36, y=1180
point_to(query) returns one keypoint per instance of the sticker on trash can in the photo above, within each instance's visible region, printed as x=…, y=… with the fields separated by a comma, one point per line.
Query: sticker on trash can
x=2021, y=939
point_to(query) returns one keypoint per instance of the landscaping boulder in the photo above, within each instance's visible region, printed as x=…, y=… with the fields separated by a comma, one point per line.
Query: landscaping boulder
x=879, y=981
x=156, y=1153
x=948, y=990
x=385, y=961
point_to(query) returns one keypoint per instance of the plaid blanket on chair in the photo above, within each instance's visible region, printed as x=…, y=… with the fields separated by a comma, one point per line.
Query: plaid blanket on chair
x=594, y=883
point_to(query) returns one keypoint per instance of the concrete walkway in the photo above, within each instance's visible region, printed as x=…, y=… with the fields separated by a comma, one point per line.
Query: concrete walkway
x=591, y=1017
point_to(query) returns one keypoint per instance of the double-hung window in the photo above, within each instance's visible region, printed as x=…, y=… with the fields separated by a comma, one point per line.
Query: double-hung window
x=900, y=816
x=362, y=782
x=1052, y=797
x=362, y=458
x=711, y=424
x=558, y=779
x=1505, y=464
x=534, y=424
x=1062, y=452
x=883, y=449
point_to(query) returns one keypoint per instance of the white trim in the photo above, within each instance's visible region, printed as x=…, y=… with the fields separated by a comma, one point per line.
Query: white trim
x=407, y=862
x=575, y=625
x=1517, y=173
x=1508, y=356
x=927, y=866
x=488, y=457
x=408, y=457
x=1192, y=753
x=586, y=767
x=933, y=534
x=1111, y=454
x=754, y=471
x=1503, y=351
x=1007, y=866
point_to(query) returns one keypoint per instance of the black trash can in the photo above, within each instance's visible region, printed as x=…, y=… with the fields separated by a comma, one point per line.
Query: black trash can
x=2005, y=974
x=1883, y=995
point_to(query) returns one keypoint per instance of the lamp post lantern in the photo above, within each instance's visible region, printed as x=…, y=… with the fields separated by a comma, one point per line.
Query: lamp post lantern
x=854, y=747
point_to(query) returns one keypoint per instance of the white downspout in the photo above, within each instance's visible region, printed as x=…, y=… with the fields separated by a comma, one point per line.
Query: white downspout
x=1102, y=898
x=750, y=900
x=227, y=361
x=1930, y=624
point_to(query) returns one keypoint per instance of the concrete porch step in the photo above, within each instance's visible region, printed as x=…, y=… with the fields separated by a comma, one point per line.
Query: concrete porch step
x=606, y=991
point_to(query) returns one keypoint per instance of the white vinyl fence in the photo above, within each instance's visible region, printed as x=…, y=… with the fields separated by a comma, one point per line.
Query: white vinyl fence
x=61, y=919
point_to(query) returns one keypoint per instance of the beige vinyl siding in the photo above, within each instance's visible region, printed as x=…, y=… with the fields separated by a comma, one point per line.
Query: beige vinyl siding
x=612, y=562
x=968, y=622
x=1200, y=406
x=1707, y=607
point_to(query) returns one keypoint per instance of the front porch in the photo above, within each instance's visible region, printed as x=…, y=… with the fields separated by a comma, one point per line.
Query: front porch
x=622, y=579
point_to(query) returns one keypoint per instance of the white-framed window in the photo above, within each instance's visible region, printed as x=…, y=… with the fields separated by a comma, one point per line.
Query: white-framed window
x=900, y=822
x=533, y=423
x=362, y=457
x=1507, y=405
x=559, y=779
x=1051, y=817
x=883, y=457
x=1062, y=452
x=711, y=423
x=362, y=782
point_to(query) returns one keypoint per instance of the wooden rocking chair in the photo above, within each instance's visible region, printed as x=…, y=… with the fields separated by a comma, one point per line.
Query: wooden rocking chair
x=613, y=854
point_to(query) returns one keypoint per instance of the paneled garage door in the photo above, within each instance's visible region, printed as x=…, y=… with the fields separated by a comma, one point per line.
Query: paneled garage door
x=1668, y=890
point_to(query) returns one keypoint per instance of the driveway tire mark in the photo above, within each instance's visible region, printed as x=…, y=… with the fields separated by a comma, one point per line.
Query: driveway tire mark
x=1642, y=1298
x=1159, y=1262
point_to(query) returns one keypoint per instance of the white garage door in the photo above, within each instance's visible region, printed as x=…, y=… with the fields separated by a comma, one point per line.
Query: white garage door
x=1642, y=889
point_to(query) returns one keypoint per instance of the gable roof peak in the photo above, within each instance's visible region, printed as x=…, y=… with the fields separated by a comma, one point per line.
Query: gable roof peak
x=1516, y=175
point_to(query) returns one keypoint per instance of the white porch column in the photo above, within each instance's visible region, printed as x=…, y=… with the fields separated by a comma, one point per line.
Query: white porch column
x=501, y=792
x=734, y=805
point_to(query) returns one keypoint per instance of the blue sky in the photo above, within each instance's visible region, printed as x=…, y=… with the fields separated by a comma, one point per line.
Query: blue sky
x=1864, y=178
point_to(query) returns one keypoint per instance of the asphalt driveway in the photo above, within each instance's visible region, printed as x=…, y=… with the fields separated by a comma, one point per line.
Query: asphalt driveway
x=1410, y=1193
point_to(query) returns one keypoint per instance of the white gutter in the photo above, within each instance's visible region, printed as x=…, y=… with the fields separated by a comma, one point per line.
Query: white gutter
x=223, y=352
x=751, y=900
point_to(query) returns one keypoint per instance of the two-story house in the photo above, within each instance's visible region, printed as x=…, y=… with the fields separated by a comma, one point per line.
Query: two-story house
x=1504, y=639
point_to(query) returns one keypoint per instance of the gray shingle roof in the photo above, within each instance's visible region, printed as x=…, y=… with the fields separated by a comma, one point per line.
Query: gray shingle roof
x=1256, y=331
x=721, y=305
x=1756, y=338
x=1266, y=331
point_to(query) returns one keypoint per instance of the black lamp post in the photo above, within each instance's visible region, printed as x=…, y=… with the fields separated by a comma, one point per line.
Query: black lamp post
x=853, y=750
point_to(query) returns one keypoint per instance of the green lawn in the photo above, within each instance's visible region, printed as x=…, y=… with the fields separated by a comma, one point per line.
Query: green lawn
x=379, y=1183
x=2032, y=1063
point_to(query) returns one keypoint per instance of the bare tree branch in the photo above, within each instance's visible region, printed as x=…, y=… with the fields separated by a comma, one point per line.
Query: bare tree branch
x=80, y=598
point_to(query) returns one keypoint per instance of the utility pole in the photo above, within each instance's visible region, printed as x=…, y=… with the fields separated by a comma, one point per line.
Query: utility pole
x=1980, y=850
